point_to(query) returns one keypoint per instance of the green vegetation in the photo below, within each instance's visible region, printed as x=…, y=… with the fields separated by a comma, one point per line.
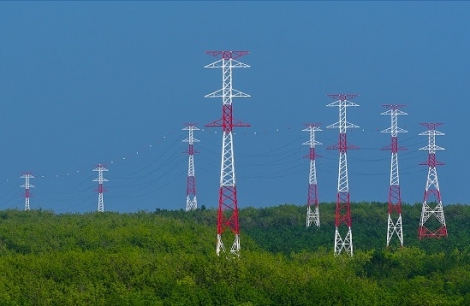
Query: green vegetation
x=168, y=258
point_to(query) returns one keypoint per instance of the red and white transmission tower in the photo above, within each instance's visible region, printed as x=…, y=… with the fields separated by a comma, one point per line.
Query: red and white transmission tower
x=313, y=216
x=26, y=186
x=394, y=194
x=191, y=200
x=432, y=186
x=343, y=205
x=100, y=168
x=227, y=216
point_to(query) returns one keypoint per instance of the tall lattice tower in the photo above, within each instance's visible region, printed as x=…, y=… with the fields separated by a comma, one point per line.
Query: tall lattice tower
x=394, y=194
x=432, y=187
x=26, y=186
x=343, y=205
x=191, y=199
x=227, y=216
x=100, y=168
x=313, y=215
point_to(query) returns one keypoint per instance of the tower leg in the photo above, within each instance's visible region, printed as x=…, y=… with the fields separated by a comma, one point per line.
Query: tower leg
x=220, y=245
x=343, y=244
x=235, y=250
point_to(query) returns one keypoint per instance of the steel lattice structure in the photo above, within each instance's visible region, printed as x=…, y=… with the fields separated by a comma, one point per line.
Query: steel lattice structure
x=191, y=199
x=343, y=205
x=313, y=215
x=100, y=168
x=26, y=186
x=227, y=216
x=432, y=186
x=394, y=193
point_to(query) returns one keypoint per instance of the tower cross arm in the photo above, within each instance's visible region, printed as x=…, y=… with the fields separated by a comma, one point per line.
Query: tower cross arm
x=190, y=140
x=434, y=147
x=221, y=64
x=390, y=130
x=337, y=125
x=227, y=54
x=394, y=112
x=343, y=97
x=342, y=103
x=233, y=94
x=220, y=123
x=309, y=143
x=27, y=185
x=100, y=168
x=432, y=133
x=100, y=180
x=191, y=126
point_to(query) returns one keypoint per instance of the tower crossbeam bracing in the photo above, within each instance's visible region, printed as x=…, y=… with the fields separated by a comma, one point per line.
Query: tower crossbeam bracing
x=432, y=192
x=313, y=213
x=394, y=193
x=343, y=205
x=27, y=176
x=227, y=215
x=191, y=199
x=100, y=169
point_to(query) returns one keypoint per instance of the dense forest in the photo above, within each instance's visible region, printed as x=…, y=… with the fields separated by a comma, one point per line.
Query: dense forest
x=168, y=258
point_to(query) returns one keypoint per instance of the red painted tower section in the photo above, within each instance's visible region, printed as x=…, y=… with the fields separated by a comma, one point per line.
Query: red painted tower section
x=227, y=215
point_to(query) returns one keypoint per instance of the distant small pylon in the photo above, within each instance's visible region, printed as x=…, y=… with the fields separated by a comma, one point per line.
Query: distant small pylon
x=313, y=215
x=100, y=168
x=26, y=186
x=191, y=199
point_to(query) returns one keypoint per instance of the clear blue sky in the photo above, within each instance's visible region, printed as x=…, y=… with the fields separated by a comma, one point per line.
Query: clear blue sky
x=83, y=83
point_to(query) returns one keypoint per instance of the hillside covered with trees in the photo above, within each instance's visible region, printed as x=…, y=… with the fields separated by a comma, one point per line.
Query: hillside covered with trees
x=168, y=258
